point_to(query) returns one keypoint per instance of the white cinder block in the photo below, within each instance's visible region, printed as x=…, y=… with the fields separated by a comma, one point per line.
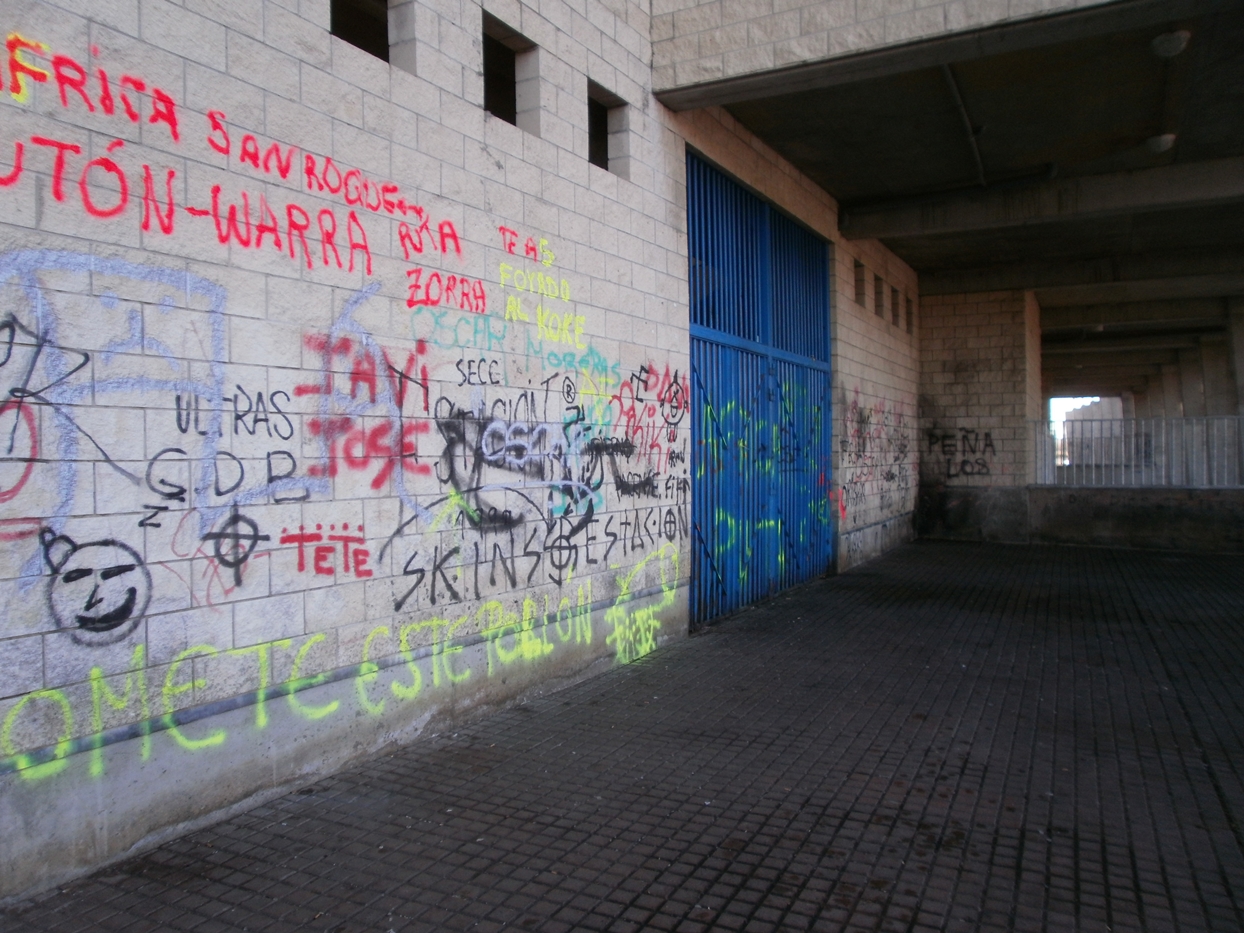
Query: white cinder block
x=21, y=665
x=184, y=33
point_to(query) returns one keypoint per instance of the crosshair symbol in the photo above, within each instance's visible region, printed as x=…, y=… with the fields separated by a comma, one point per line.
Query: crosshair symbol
x=674, y=405
x=235, y=542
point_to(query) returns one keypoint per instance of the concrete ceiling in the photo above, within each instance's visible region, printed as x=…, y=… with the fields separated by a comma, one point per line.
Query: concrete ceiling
x=1063, y=154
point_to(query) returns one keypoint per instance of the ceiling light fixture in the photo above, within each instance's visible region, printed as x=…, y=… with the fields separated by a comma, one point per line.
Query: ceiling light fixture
x=1170, y=44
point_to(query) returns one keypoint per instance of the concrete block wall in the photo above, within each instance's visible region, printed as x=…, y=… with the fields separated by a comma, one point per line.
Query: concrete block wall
x=876, y=379
x=335, y=407
x=695, y=41
x=874, y=357
x=980, y=393
x=338, y=409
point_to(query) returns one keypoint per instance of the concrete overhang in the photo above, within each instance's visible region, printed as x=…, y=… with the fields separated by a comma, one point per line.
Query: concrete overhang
x=1093, y=156
x=962, y=46
x=1167, y=187
x=1191, y=286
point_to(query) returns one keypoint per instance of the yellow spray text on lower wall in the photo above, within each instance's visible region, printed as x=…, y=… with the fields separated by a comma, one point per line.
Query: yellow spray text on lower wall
x=635, y=630
x=391, y=671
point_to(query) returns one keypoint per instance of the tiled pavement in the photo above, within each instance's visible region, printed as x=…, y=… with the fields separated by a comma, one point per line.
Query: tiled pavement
x=956, y=737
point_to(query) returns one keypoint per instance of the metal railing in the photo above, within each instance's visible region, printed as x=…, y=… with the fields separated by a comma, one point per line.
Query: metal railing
x=1191, y=452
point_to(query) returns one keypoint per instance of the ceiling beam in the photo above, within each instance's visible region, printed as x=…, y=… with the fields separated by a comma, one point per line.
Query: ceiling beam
x=1096, y=385
x=1063, y=381
x=1103, y=389
x=1060, y=382
x=1136, y=315
x=1114, y=376
x=1190, y=286
x=1166, y=330
x=1080, y=348
x=1053, y=273
x=1092, y=386
x=1060, y=369
x=1088, y=197
x=1139, y=356
x=1096, y=20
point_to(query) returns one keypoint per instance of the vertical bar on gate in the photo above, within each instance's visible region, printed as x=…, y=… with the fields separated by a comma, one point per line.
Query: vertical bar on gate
x=1100, y=453
x=1155, y=449
x=1106, y=444
x=1211, y=450
x=1198, y=450
x=1166, y=452
x=1167, y=478
x=1131, y=448
x=1177, y=457
x=1068, y=460
x=1150, y=453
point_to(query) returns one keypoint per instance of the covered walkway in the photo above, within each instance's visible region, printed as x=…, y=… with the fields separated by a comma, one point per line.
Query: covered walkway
x=957, y=737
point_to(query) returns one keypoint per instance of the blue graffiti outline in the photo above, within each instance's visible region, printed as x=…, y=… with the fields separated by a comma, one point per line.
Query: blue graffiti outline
x=24, y=267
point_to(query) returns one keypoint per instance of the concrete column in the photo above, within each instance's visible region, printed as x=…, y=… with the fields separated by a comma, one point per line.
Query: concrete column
x=1220, y=391
x=980, y=393
x=1155, y=398
x=1172, y=391
x=1235, y=310
x=1192, y=382
x=1129, y=405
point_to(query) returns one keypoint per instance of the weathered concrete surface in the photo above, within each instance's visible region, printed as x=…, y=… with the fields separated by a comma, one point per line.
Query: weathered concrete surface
x=860, y=545
x=981, y=513
x=1171, y=519
x=1165, y=519
x=954, y=737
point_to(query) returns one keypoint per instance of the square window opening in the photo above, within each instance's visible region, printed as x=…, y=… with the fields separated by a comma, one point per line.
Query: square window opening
x=362, y=23
x=607, y=130
x=511, y=79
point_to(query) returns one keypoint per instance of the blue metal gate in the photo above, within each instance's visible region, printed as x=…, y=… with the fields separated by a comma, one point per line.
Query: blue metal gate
x=761, y=515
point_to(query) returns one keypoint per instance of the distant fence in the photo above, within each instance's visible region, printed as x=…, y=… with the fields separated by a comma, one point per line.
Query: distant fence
x=1191, y=452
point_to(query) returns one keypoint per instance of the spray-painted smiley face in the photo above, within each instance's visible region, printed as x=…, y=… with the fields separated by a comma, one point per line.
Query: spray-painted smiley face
x=98, y=591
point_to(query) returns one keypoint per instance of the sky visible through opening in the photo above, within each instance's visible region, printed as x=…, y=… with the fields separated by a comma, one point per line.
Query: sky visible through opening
x=1060, y=406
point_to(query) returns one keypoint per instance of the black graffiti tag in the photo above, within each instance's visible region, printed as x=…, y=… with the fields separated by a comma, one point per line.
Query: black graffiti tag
x=234, y=543
x=98, y=591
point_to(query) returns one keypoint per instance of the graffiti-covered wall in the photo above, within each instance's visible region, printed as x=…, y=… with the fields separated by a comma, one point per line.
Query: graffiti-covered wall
x=332, y=405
